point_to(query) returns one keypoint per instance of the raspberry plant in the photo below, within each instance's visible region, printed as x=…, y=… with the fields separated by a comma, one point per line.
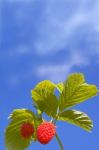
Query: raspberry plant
x=26, y=126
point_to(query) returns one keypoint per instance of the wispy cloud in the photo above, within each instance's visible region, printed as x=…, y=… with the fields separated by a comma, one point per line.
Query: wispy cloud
x=58, y=24
x=50, y=27
x=60, y=29
x=58, y=72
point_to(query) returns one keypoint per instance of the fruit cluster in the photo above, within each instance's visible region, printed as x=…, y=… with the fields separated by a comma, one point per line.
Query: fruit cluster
x=45, y=131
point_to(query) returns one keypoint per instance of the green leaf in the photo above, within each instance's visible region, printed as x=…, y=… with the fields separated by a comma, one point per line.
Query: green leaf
x=76, y=91
x=60, y=87
x=76, y=118
x=45, y=86
x=13, y=138
x=44, y=98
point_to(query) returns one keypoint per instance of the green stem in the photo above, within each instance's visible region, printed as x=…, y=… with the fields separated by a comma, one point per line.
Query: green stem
x=59, y=142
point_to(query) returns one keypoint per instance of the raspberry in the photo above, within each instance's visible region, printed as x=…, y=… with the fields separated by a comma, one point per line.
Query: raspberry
x=45, y=132
x=27, y=130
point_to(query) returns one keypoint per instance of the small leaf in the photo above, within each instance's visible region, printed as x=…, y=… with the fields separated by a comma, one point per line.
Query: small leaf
x=76, y=91
x=44, y=98
x=77, y=118
x=45, y=86
x=13, y=138
x=48, y=104
x=60, y=87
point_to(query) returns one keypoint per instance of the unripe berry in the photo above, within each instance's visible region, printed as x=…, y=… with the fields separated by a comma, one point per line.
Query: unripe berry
x=27, y=130
x=45, y=132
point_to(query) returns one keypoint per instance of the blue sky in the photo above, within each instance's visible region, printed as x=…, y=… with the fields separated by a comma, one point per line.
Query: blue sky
x=48, y=40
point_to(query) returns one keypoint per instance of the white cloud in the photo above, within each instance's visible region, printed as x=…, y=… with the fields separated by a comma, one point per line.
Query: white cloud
x=57, y=26
x=58, y=72
x=60, y=25
x=59, y=34
x=57, y=23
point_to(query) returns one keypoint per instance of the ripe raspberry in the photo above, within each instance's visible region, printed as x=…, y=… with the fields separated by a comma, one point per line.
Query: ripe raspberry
x=27, y=130
x=45, y=132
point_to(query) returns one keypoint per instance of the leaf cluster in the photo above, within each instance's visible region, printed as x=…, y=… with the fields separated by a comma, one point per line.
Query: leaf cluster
x=72, y=92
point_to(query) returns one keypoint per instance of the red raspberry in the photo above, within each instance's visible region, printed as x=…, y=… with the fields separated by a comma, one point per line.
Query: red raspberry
x=45, y=132
x=27, y=130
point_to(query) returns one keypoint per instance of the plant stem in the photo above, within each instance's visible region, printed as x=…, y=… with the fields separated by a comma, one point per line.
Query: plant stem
x=59, y=142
